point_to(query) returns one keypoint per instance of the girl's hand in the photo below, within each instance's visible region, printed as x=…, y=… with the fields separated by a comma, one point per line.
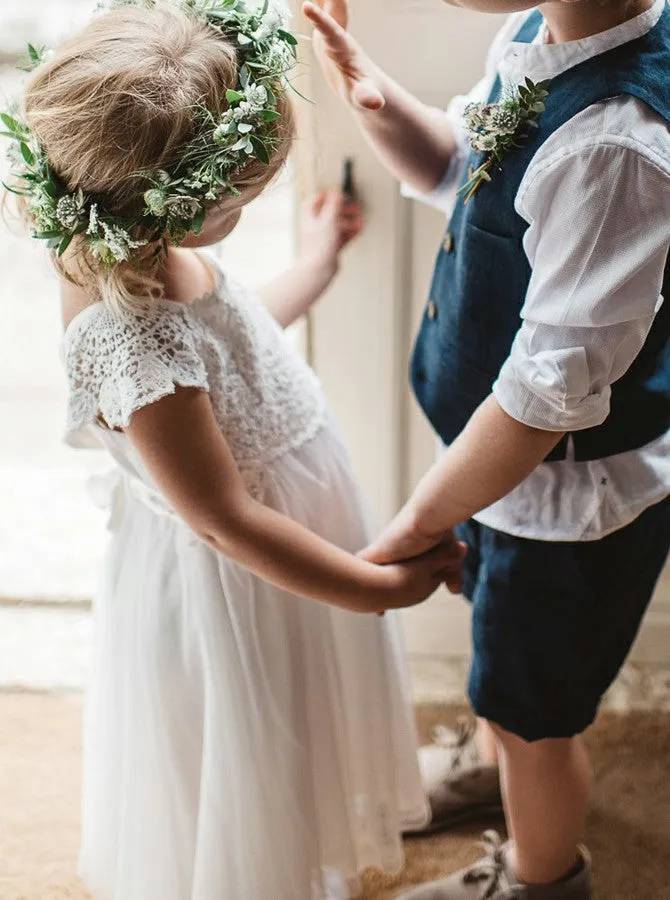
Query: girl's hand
x=349, y=71
x=328, y=223
x=407, y=583
x=401, y=540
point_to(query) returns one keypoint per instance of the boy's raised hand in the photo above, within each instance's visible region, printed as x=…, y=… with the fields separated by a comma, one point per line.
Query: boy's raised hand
x=349, y=71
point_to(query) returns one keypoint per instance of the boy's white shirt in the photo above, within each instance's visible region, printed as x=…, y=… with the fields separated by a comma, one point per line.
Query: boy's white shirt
x=597, y=199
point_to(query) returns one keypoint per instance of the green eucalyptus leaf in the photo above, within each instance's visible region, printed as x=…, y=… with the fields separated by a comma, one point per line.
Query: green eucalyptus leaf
x=64, y=244
x=199, y=220
x=538, y=107
x=234, y=96
x=288, y=37
x=261, y=150
x=48, y=235
x=269, y=115
x=245, y=128
x=27, y=154
x=12, y=124
x=240, y=145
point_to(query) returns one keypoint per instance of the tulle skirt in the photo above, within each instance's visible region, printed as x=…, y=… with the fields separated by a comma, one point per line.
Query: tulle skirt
x=242, y=743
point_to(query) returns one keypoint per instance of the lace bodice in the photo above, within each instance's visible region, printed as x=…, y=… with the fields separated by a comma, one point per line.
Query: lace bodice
x=266, y=399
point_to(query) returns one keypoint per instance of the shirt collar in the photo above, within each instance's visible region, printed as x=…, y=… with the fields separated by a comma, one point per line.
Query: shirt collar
x=541, y=61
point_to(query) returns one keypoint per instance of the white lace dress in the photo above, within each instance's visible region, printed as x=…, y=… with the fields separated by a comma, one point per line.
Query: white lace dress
x=240, y=743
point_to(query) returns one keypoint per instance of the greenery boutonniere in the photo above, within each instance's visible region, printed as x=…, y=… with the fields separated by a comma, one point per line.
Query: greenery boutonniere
x=497, y=128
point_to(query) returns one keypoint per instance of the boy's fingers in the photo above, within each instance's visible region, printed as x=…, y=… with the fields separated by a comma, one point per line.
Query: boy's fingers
x=339, y=10
x=327, y=26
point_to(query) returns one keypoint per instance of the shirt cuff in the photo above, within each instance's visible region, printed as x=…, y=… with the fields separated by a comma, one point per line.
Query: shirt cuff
x=542, y=397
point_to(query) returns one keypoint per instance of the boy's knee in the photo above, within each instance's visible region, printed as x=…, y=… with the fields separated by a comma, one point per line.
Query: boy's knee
x=542, y=747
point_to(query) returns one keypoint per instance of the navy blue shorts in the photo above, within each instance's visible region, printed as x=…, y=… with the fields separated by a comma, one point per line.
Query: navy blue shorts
x=553, y=622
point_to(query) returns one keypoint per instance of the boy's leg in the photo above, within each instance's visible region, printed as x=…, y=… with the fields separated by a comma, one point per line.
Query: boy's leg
x=487, y=746
x=552, y=625
x=546, y=790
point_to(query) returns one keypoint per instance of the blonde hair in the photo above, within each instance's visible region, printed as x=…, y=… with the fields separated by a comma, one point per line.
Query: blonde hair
x=122, y=97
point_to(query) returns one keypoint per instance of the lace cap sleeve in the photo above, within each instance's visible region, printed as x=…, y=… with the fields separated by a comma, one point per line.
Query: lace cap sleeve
x=116, y=364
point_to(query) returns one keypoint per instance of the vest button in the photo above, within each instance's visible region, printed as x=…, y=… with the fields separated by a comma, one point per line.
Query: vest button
x=448, y=243
x=420, y=376
x=432, y=310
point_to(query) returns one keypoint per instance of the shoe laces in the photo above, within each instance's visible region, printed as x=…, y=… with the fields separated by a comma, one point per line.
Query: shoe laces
x=491, y=869
x=458, y=741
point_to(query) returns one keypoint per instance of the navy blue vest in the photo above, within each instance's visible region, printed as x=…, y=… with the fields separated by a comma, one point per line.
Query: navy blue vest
x=482, y=273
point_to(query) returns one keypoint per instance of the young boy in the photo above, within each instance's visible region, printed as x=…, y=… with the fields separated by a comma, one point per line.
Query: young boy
x=543, y=363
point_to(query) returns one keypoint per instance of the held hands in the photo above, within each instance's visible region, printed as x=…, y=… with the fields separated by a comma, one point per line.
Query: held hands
x=407, y=583
x=402, y=540
x=349, y=71
x=328, y=223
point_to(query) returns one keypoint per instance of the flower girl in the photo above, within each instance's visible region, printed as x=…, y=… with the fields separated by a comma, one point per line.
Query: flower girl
x=248, y=733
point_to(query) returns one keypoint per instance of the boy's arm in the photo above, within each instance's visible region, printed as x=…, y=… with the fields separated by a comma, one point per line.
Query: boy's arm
x=414, y=141
x=597, y=274
x=490, y=457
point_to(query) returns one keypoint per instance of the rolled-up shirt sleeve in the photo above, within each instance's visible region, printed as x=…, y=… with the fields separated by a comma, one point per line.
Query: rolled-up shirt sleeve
x=597, y=243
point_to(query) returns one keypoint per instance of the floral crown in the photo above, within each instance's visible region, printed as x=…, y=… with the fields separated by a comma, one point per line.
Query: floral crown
x=176, y=201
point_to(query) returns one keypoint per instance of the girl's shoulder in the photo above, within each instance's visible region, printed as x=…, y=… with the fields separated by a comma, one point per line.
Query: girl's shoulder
x=117, y=362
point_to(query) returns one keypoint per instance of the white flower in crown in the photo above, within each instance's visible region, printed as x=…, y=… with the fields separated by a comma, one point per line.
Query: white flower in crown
x=71, y=210
x=114, y=245
x=257, y=96
x=175, y=199
x=498, y=128
x=182, y=207
x=273, y=20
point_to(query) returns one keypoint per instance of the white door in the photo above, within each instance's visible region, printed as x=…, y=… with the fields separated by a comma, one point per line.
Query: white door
x=361, y=334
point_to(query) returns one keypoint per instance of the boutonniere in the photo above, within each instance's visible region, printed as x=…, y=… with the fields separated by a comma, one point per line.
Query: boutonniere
x=498, y=128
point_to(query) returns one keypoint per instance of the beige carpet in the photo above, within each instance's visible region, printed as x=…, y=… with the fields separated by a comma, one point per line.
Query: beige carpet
x=629, y=827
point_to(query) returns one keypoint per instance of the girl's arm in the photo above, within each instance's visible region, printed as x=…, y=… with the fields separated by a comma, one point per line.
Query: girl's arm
x=413, y=141
x=182, y=447
x=491, y=456
x=328, y=223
